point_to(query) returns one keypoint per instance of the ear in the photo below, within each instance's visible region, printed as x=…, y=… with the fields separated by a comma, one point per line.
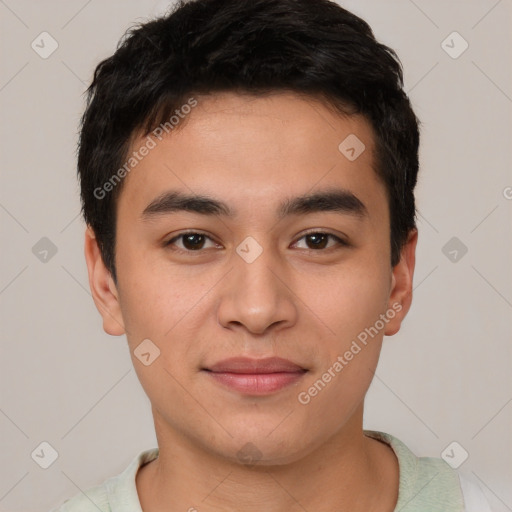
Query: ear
x=103, y=288
x=400, y=297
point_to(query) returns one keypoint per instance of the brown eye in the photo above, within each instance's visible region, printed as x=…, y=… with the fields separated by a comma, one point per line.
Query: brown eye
x=193, y=241
x=190, y=242
x=318, y=240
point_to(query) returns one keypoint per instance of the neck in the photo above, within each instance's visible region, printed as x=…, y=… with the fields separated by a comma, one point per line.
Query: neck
x=348, y=472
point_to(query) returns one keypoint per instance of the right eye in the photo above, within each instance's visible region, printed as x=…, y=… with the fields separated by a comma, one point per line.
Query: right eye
x=191, y=241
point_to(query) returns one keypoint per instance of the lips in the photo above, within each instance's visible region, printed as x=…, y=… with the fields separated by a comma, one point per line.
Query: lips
x=252, y=366
x=255, y=376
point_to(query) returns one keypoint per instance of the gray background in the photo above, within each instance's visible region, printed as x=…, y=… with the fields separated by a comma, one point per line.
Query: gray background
x=445, y=377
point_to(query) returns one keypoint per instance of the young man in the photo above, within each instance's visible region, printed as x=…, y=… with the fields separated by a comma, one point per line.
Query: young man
x=247, y=172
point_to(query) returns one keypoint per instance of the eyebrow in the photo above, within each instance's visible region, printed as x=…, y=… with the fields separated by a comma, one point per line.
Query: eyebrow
x=330, y=200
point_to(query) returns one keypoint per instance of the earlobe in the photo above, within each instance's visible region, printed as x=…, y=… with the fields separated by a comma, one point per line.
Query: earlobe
x=400, y=297
x=103, y=289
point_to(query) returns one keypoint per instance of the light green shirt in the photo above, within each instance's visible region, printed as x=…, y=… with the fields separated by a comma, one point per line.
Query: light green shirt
x=426, y=484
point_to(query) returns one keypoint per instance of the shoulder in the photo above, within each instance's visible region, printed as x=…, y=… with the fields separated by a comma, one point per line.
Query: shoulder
x=117, y=493
x=474, y=498
x=431, y=484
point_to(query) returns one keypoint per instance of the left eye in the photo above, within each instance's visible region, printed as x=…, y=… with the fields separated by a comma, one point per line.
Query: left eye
x=319, y=240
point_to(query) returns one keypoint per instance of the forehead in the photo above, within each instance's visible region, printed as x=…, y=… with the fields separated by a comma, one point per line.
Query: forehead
x=251, y=150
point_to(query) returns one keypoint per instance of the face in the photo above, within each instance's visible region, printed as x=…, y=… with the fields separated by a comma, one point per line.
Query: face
x=285, y=253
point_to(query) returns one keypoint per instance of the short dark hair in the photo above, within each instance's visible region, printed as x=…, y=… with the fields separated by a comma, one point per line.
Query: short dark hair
x=311, y=47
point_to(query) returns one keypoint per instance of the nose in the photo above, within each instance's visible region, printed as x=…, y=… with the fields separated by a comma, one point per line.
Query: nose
x=258, y=295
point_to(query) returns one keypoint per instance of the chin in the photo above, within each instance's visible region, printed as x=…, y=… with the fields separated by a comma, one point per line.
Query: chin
x=264, y=445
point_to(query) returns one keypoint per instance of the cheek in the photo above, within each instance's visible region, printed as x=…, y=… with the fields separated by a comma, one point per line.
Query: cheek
x=168, y=308
x=152, y=298
x=155, y=310
x=353, y=298
x=351, y=309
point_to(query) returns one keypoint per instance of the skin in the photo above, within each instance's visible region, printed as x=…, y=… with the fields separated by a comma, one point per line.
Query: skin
x=294, y=301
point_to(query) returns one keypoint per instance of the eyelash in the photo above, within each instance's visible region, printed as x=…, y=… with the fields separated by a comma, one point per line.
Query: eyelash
x=340, y=242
